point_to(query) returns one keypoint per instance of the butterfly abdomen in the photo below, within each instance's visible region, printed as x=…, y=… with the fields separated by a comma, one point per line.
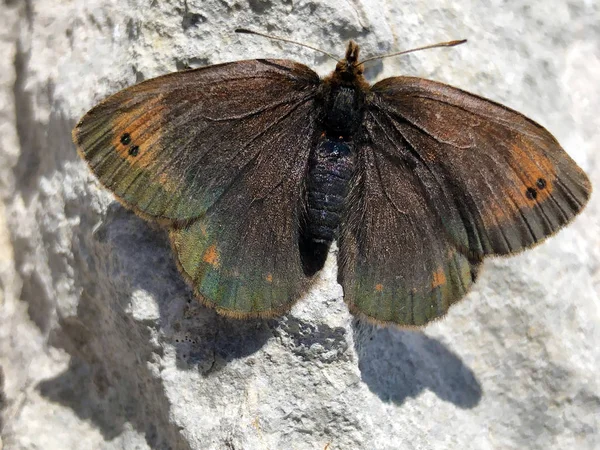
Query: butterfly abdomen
x=331, y=166
x=330, y=170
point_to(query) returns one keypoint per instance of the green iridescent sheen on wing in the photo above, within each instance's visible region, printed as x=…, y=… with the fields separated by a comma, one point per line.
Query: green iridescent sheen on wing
x=406, y=296
x=225, y=277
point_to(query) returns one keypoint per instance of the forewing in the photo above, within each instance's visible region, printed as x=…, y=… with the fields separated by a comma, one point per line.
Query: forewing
x=396, y=263
x=169, y=147
x=242, y=256
x=217, y=154
x=499, y=181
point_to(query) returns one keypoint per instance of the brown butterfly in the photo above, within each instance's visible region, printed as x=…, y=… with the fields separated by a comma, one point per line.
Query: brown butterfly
x=257, y=166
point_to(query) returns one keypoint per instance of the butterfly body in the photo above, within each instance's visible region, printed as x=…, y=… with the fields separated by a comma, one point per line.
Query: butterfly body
x=256, y=166
x=332, y=161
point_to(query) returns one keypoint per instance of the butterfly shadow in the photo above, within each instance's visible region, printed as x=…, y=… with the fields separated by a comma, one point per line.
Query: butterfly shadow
x=400, y=364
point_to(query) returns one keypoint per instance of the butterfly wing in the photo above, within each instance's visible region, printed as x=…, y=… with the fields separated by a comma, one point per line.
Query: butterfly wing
x=445, y=178
x=500, y=181
x=217, y=154
x=396, y=263
x=170, y=146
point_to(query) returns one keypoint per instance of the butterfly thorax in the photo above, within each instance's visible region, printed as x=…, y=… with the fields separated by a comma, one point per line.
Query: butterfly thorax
x=343, y=96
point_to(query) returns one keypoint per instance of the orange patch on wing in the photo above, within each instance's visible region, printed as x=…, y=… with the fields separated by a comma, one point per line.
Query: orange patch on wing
x=269, y=278
x=379, y=287
x=530, y=170
x=439, y=278
x=531, y=160
x=211, y=256
x=142, y=128
x=532, y=166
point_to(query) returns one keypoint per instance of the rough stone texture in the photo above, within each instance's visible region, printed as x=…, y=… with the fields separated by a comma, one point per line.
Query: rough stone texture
x=101, y=343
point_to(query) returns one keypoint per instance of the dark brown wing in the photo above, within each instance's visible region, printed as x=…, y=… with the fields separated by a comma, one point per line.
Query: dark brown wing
x=170, y=146
x=505, y=176
x=445, y=178
x=396, y=263
x=218, y=154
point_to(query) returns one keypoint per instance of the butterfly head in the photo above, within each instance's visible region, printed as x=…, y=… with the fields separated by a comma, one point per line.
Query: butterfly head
x=349, y=70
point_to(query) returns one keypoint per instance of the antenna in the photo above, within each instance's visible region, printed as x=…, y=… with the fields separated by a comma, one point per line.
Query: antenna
x=441, y=44
x=276, y=38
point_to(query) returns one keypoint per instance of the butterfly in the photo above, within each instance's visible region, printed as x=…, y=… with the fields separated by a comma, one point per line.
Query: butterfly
x=256, y=167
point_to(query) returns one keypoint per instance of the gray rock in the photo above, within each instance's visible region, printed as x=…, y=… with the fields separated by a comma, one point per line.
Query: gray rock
x=102, y=345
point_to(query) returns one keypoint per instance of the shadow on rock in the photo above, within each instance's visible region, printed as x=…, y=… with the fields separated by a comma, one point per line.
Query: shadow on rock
x=396, y=364
x=133, y=300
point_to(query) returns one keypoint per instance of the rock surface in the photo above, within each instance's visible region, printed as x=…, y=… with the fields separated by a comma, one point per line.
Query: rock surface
x=101, y=343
